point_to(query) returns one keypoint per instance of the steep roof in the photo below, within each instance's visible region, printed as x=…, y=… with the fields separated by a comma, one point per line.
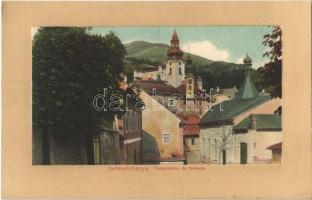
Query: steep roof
x=261, y=122
x=247, y=98
x=248, y=89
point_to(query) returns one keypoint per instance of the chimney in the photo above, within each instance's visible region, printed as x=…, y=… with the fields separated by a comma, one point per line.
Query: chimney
x=253, y=122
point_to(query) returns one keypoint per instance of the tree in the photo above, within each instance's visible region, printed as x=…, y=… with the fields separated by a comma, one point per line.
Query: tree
x=225, y=138
x=70, y=67
x=271, y=72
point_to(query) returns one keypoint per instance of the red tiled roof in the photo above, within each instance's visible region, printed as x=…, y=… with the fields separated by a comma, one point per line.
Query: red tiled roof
x=190, y=124
x=188, y=119
x=191, y=130
x=275, y=146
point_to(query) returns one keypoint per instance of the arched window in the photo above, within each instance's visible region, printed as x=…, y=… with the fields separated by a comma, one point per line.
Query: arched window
x=170, y=71
x=180, y=71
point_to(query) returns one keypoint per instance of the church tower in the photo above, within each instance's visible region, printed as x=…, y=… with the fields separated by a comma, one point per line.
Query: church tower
x=175, y=72
x=189, y=79
x=190, y=84
x=248, y=89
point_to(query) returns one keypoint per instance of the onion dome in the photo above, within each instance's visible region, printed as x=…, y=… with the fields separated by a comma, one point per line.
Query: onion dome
x=247, y=60
x=174, y=52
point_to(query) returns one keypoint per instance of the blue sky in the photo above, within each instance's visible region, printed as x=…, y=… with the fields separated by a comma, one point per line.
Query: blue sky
x=226, y=43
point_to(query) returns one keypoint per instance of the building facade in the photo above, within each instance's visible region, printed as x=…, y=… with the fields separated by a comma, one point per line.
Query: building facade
x=162, y=136
x=217, y=140
x=253, y=137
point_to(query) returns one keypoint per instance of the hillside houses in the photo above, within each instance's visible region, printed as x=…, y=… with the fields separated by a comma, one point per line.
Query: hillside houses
x=191, y=127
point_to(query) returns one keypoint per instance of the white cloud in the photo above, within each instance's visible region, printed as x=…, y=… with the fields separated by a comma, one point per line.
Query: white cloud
x=208, y=50
x=239, y=60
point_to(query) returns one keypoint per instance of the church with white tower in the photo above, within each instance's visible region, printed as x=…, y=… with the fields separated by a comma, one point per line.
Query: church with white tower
x=173, y=72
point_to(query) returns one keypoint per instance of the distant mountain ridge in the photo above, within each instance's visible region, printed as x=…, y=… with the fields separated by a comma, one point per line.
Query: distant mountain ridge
x=156, y=52
x=144, y=55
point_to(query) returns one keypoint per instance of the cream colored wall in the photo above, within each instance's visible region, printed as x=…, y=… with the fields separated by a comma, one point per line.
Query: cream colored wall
x=195, y=147
x=159, y=121
x=147, y=75
x=175, y=79
x=263, y=139
x=193, y=153
x=266, y=108
x=211, y=151
x=220, y=98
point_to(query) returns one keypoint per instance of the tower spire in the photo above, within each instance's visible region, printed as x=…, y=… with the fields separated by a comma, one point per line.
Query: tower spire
x=174, y=52
x=248, y=89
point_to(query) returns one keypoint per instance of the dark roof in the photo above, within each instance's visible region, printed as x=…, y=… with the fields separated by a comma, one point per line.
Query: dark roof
x=232, y=108
x=152, y=69
x=248, y=89
x=261, y=122
x=161, y=88
x=247, y=98
x=275, y=146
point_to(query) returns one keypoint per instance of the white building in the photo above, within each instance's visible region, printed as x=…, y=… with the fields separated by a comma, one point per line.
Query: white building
x=218, y=143
x=173, y=72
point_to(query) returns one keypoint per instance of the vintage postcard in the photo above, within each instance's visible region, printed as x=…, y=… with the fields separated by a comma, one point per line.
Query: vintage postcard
x=158, y=100
x=157, y=95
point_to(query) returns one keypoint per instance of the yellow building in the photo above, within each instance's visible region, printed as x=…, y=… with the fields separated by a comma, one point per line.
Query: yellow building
x=162, y=139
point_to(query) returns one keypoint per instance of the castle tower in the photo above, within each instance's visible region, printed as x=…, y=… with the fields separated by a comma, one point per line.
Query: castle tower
x=189, y=79
x=175, y=72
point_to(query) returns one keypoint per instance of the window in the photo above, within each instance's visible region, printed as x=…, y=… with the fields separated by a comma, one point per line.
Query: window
x=190, y=81
x=193, y=141
x=166, y=138
x=190, y=87
x=254, y=145
x=180, y=71
x=170, y=71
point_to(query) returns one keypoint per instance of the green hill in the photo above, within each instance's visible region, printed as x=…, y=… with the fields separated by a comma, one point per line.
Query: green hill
x=144, y=55
x=156, y=52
